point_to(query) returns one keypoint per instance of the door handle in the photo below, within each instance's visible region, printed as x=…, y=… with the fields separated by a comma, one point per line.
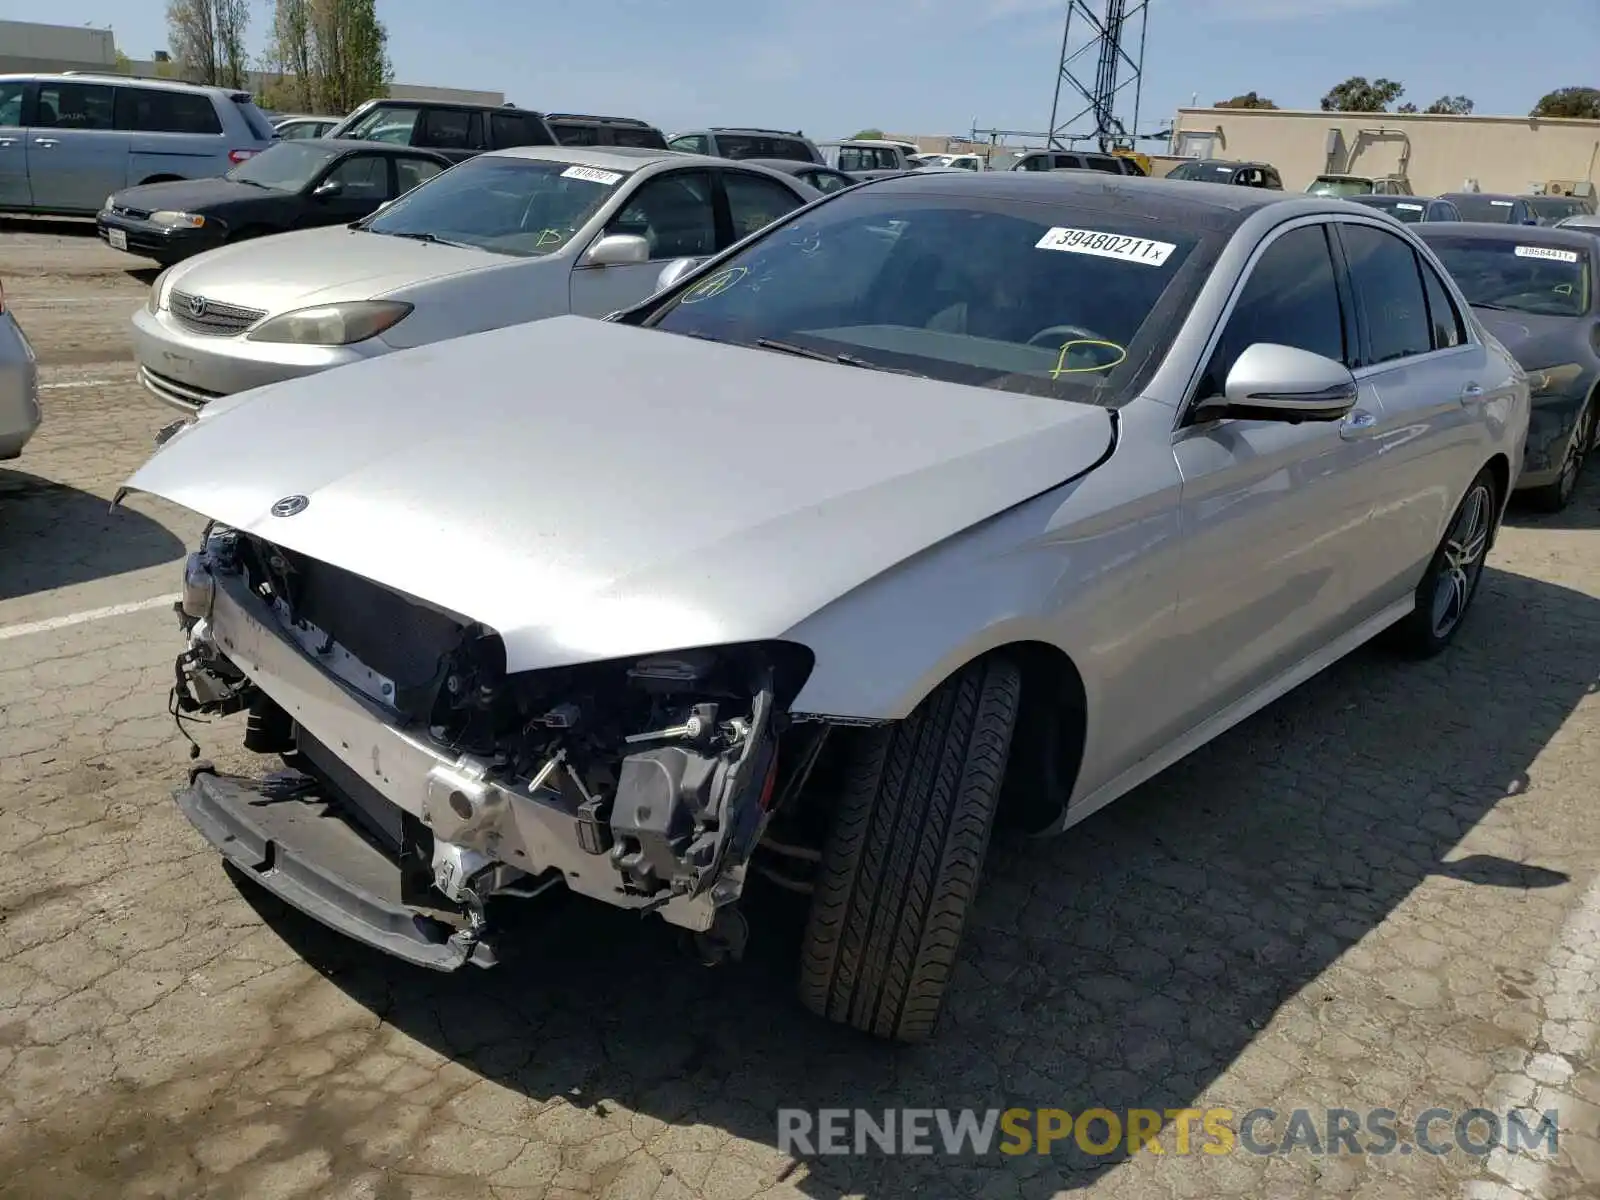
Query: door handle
x=8, y=141
x=1472, y=393
x=1359, y=424
x=46, y=141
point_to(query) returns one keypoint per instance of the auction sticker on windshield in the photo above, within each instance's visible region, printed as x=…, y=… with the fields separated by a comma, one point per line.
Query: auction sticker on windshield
x=592, y=174
x=1566, y=256
x=1106, y=245
x=1500, y=203
x=1410, y=207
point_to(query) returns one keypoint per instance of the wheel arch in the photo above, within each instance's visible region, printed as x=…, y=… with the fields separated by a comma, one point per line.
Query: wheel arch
x=1500, y=467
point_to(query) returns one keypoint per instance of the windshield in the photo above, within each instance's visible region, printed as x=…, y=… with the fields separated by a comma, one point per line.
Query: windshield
x=516, y=206
x=1047, y=300
x=1483, y=208
x=1409, y=211
x=1547, y=280
x=283, y=166
x=1552, y=210
x=1340, y=187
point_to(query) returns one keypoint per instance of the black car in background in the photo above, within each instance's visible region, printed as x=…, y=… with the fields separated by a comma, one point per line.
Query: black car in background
x=1221, y=170
x=297, y=184
x=1412, y=209
x=577, y=129
x=823, y=178
x=456, y=130
x=1536, y=291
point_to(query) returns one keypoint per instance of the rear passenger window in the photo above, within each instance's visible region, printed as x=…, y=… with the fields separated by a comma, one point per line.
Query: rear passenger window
x=1388, y=287
x=10, y=104
x=577, y=135
x=645, y=139
x=74, y=106
x=754, y=202
x=449, y=129
x=514, y=129
x=1444, y=319
x=691, y=143
x=1290, y=299
x=149, y=111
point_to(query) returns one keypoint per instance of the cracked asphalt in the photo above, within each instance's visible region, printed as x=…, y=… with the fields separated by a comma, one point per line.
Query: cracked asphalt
x=1378, y=893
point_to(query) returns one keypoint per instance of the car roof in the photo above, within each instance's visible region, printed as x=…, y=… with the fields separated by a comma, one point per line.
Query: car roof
x=593, y=119
x=1223, y=205
x=342, y=144
x=1228, y=162
x=459, y=105
x=790, y=166
x=1378, y=199
x=1481, y=196
x=160, y=85
x=1526, y=235
x=793, y=133
x=607, y=158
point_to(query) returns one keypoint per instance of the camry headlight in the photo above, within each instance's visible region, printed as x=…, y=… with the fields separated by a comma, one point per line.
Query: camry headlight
x=153, y=304
x=1552, y=381
x=177, y=220
x=332, y=324
x=106, y=207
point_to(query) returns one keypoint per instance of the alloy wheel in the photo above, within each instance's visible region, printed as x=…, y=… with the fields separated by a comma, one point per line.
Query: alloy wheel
x=1465, y=547
x=1577, y=451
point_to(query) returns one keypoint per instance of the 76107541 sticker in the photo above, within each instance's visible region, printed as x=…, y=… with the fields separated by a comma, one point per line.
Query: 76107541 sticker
x=1106, y=245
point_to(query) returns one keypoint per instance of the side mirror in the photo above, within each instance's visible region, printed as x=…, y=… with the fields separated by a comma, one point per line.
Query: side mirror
x=1270, y=382
x=675, y=271
x=327, y=189
x=617, y=250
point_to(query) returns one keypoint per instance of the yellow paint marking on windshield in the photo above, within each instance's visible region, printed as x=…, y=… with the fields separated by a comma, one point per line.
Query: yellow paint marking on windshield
x=546, y=236
x=1061, y=368
x=716, y=285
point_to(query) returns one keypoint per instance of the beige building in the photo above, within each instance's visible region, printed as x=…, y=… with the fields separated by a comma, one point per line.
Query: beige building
x=29, y=46
x=1437, y=153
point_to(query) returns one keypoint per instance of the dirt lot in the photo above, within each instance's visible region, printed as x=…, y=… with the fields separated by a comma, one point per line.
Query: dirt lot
x=1379, y=893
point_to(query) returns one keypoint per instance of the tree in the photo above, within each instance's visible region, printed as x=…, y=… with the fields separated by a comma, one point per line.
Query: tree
x=207, y=39
x=288, y=57
x=1248, y=100
x=349, y=53
x=1569, y=102
x=122, y=64
x=1452, y=106
x=1357, y=95
x=871, y=135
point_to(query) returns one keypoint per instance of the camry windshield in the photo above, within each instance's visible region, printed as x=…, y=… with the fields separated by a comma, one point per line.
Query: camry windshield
x=1046, y=299
x=1547, y=280
x=517, y=206
x=1483, y=208
x=283, y=166
x=1409, y=211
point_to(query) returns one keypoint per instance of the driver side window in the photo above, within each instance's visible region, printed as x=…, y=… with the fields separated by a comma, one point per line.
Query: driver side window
x=1291, y=298
x=673, y=213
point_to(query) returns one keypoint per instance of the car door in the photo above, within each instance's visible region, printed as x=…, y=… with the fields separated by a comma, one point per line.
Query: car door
x=76, y=158
x=675, y=212
x=751, y=203
x=348, y=190
x=1427, y=374
x=1275, y=515
x=14, y=190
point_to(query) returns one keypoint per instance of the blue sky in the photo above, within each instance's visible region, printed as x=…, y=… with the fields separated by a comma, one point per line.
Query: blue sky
x=936, y=66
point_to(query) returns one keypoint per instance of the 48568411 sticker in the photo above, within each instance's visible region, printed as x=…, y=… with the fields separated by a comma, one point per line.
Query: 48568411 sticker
x=1106, y=245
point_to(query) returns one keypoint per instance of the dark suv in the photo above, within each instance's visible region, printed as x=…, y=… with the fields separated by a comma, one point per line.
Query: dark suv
x=1076, y=160
x=578, y=129
x=457, y=131
x=727, y=142
x=1219, y=170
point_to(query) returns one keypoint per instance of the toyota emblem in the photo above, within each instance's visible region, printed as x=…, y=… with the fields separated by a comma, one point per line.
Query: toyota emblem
x=290, y=505
x=197, y=306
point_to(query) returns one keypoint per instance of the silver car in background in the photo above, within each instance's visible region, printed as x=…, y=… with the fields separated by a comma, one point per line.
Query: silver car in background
x=505, y=237
x=952, y=497
x=19, y=386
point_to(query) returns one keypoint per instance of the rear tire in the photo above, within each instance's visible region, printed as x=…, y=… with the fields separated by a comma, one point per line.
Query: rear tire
x=1451, y=581
x=1554, y=497
x=903, y=859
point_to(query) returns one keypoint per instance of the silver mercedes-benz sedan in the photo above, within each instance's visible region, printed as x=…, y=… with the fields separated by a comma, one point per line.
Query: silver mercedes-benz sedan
x=508, y=236
x=19, y=386
x=952, y=498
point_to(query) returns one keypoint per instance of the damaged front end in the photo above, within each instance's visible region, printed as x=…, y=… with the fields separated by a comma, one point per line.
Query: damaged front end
x=425, y=784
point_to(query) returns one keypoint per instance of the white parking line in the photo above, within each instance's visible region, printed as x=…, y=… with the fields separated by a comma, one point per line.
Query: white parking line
x=94, y=614
x=1567, y=1034
x=75, y=383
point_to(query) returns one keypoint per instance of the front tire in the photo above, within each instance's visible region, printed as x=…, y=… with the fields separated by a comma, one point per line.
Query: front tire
x=1554, y=497
x=1451, y=580
x=902, y=862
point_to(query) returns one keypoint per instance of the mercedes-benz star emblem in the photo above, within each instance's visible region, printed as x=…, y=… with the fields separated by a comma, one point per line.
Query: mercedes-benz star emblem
x=197, y=306
x=289, y=506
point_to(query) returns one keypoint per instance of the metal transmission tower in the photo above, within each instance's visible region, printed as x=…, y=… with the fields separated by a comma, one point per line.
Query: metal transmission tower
x=1101, y=38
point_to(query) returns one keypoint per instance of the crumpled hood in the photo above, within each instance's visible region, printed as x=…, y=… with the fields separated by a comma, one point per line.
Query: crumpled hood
x=1537, y=341
x=592, y=490
x=320, y=266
